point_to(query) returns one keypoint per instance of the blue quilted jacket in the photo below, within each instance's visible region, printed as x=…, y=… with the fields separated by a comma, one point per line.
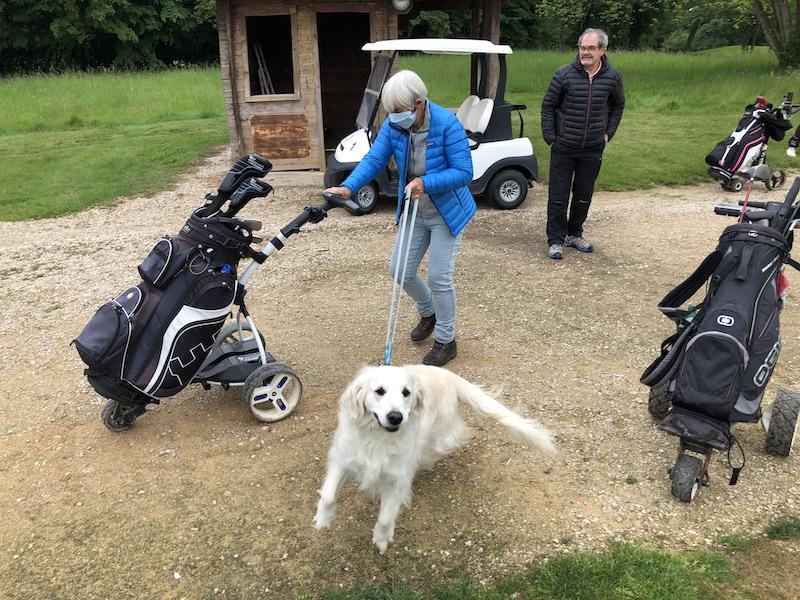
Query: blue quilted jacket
x=448, y=166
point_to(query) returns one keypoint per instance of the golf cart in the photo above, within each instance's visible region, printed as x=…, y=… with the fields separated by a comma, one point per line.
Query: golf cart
x=504, y=166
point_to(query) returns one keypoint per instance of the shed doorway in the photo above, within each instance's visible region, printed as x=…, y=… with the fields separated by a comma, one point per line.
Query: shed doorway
x=344, y=69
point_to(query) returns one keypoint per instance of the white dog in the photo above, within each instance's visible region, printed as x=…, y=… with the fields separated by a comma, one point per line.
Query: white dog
x=395, y=420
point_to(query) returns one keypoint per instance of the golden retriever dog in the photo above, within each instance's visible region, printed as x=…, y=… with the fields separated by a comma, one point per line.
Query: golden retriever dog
x=396, y=420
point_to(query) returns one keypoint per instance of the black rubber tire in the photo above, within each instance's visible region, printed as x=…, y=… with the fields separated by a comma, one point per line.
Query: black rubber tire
x=783, y=423
x=659, y=402
x=366, y=198
x=508, y=189
x=776, y=180
x=279, y=392
x=113, y=419
x=736, y=184
x=686, y=476
x=230, y=332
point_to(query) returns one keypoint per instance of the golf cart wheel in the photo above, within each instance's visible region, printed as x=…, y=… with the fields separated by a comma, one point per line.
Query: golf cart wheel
x=736, y=184
x=508, y=189
x=659, y=402
x=272, y=392
x=686, y=476
x=776, y=180
x=782, y=429
x=367, y=198
x=230, y=334
x=117, y=417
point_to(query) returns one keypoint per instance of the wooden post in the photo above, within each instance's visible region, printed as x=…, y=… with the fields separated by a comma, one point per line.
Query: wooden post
x=228, y=74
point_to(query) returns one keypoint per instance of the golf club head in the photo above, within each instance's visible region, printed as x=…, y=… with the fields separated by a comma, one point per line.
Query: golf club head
x=251, y=188
x=251, y=165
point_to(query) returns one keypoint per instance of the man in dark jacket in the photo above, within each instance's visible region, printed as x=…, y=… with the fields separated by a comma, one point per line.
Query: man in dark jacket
x=580, y=114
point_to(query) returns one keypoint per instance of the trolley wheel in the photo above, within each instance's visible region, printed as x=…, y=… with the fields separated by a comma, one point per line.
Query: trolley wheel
x=776, y=180
x=367, y=198
x=272, y=392
x=118, y=417
x=230, y=333
x=782, y=429
x=736, y=184
x=686, y=475
x=508, y=189
x=659, y=402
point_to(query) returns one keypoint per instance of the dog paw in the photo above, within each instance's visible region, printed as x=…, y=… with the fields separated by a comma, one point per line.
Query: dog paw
x=382, y=545
x=324, y=518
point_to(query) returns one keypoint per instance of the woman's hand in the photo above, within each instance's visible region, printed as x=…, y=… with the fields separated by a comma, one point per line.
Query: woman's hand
x=416, y=187
x=340, y=191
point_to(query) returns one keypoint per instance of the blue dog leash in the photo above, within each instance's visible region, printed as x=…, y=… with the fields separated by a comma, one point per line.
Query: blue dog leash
x=404, y=246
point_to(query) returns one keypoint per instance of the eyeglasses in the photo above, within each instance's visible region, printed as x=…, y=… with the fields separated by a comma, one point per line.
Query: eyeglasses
x=588, y=48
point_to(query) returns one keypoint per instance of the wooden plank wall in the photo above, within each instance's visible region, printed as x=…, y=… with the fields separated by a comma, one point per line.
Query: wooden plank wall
x=286, y=129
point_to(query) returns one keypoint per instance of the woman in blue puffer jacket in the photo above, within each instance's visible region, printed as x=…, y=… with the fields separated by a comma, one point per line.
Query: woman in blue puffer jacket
x=433, y=159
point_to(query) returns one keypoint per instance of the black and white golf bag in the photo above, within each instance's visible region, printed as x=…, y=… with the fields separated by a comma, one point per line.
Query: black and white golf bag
x=744, y=147
x=150, y=341
x=717, y=365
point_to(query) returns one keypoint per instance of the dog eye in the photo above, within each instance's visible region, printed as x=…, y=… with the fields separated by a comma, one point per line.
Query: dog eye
x=406, y=393
x=380, y=391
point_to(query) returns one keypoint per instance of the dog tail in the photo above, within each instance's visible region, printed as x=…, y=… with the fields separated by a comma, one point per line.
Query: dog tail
x=528, y=431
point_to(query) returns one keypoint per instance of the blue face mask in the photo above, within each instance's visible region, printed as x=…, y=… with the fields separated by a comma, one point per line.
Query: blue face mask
x=403, y=119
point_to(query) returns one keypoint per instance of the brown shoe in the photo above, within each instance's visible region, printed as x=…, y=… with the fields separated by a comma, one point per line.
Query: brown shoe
x=440, y=354
x=424, y=328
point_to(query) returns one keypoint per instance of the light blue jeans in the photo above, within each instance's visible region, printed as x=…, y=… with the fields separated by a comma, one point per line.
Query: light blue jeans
x=438, y=295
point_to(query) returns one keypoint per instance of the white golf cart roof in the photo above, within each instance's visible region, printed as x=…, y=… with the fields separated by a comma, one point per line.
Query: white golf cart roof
x=439, y=46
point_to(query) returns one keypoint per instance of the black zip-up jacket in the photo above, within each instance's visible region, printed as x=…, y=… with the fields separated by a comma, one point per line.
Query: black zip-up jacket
x=578, y=112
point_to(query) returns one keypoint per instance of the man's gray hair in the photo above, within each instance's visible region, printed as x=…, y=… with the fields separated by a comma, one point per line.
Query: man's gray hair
x=602, y=36
x=402, y=90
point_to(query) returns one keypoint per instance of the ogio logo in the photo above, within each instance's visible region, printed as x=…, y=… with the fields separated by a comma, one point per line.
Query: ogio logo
x=725, y=320
x=762, y=375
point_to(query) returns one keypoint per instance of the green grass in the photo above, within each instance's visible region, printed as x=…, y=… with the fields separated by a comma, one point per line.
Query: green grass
x=677, y=106
x=625, y=572
x=73, y=141
x=787, y=528
x=78, y=140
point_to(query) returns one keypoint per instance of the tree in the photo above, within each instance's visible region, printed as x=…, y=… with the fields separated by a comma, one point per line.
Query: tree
x=781, y=24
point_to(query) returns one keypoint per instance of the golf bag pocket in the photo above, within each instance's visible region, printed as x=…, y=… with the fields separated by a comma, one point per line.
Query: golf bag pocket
x=697, y=427
x=164, y=262
x=173, y=341
x=102, y=342
x=710, y=376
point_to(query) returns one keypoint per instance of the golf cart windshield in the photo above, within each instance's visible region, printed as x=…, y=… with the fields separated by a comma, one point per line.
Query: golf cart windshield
x=372, y=93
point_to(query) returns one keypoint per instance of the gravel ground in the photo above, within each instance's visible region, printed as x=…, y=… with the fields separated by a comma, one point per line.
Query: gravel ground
x=199, y=500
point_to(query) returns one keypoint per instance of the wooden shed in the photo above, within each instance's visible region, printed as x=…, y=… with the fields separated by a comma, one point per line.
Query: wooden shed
x=293, y=73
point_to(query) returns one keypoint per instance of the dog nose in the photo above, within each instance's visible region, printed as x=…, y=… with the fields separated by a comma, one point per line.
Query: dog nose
x=394, y=418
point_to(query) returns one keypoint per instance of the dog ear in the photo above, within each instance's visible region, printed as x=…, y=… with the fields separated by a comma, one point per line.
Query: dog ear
x=354, y=397
x=415, y=387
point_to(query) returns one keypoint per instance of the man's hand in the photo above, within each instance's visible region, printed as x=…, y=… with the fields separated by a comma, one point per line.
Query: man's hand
x=340, y=191
x=605, y=137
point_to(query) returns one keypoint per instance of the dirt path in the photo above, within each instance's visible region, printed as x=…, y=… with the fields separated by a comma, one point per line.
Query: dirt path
x=198, y=500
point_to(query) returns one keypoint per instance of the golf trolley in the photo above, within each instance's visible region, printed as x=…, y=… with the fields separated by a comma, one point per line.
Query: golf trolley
x=747, y=145
x=713, y=371
x=171, y=329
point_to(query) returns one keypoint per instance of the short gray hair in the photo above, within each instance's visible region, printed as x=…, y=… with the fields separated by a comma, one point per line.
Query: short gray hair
x=402, y=90
x=602, y=36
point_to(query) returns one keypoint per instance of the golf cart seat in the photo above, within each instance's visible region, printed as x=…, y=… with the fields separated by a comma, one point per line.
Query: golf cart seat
x=477, y=120
x=464, y=109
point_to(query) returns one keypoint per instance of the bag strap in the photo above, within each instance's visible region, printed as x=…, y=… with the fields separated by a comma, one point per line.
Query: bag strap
x=686, y=289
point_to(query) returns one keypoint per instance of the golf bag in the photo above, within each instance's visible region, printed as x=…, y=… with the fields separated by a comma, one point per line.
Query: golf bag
x=716, y=366
x=149, y=341
x=744, y=147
